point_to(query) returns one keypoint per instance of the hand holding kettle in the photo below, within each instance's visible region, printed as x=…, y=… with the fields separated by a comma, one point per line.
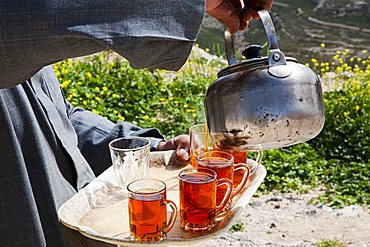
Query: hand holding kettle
x=236, y=14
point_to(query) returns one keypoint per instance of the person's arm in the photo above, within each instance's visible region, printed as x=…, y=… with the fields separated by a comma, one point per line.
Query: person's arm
x=95, y=132
x=149, y=33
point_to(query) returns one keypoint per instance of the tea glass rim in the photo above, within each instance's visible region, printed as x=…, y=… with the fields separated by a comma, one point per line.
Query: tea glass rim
x=228, y=163
x=129, y=149
x=191, y=129
x=159, y=191
x=191, y=170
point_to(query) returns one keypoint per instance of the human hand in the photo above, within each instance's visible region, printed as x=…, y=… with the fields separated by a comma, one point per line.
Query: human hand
x=234, y=13
x=179, y=143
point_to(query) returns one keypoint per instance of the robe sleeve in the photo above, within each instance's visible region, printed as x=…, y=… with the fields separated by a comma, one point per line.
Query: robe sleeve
x=148, y=33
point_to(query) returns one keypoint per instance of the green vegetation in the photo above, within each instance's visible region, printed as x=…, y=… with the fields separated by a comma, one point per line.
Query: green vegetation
x=330, y=243
x=337, y=159
x=238, y=226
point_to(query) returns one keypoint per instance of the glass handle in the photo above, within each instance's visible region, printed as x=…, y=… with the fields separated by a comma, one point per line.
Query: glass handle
x=224, y=181
x=247, y=171
x=258, y=160
x=173, y=216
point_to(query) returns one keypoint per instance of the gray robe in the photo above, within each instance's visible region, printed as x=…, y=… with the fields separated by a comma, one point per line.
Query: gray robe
x=48, y=149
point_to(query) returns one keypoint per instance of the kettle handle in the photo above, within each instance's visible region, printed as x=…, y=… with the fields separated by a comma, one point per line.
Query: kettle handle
x=276, y=57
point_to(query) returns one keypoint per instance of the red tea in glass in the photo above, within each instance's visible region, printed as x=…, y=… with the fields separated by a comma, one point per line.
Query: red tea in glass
x=223, y=164
x=223, y=168
x=148, y=211
x=198, y=207
x=239, y=157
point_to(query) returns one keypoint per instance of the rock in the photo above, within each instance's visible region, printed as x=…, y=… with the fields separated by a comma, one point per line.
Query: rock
x=358, y=245
x=326, y=208
x=344, y=8
x=255, y=204
x=274, y=199
x=350, y=211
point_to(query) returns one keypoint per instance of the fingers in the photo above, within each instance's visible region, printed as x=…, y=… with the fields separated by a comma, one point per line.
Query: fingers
x=183, y=146
x=245, y=17
x=225, y=12
x=236, y=14
x=179, y=143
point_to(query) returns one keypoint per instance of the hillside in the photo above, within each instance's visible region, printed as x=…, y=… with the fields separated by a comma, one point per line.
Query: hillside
x=301, y=27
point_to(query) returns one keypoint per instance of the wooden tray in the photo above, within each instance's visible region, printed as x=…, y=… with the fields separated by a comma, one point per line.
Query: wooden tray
x=100, y=210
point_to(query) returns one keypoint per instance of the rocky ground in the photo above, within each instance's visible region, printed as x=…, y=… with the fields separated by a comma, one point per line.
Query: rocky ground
x=289, y=220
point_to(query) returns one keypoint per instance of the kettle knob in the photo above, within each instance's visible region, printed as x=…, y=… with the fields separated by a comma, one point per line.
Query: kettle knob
x=252, y=51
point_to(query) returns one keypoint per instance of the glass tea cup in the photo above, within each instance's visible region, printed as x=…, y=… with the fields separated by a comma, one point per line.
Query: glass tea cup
x=130, y=158
x=148, y=210
x=198, y=207
x=200, y=141
x=223, y=164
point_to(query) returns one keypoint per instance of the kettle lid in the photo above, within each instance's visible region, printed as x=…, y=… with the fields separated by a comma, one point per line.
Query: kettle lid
x=254, y=60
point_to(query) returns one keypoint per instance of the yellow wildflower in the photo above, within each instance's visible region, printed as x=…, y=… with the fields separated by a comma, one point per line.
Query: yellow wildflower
x=170, y=98
x=97, y=89
x=105, y=88
x=345, y=114
x=153, y=120
x=64, y=71
x=186, y=105
x=115, y=112
x=322, y=45
x=57, y=73
x=146, y=117
x=84, y=102
x=121, y=117
x=364, y=52
x=162, y=99
x=88, y=75
x=313, y=60
x=357, y=108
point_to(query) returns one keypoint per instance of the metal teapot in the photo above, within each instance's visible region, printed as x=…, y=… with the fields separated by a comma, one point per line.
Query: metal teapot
x=263, y=102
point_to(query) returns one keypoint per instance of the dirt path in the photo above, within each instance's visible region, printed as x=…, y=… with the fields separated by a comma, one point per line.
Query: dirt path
x=288, y=220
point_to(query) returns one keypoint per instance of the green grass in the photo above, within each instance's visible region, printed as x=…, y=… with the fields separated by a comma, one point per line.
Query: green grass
x=330, y=243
